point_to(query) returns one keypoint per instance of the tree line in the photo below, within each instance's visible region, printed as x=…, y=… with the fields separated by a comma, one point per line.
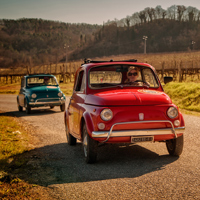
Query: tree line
x=174, y=29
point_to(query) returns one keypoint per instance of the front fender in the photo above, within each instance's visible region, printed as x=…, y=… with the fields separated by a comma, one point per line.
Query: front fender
x=89, y=123
x=26, y=99
x=182, y=120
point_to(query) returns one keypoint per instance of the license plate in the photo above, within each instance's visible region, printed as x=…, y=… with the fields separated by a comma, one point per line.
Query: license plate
x=142, y=139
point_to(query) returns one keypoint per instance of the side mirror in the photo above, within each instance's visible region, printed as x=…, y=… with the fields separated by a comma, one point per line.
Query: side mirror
x=168, y=79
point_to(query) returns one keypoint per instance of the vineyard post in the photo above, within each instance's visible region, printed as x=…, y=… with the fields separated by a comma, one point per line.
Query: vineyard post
x=163, y=68
x=180, y=72
x=70, y=72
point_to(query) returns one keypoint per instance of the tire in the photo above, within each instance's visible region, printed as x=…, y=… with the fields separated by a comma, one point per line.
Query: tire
x=28, y=108
x=89, y=147
x=71, y=140
x=175, y=146
x=20, y=108
x=62, y=107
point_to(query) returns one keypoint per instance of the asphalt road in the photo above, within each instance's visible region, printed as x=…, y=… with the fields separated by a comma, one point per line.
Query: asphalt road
x=122, y=171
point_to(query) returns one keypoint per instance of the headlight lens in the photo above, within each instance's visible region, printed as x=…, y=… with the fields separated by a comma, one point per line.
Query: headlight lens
x=33, y=96
x=60, y=94
x=172, y=112
x=106, y=114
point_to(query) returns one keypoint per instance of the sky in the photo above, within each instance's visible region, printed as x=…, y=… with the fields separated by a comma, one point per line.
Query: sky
x=82, y=11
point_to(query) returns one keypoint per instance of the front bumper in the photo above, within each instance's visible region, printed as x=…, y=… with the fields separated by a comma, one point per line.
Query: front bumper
x=47, y=102
x=138, y=132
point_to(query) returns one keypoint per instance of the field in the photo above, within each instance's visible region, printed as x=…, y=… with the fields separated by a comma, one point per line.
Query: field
x=183, y=66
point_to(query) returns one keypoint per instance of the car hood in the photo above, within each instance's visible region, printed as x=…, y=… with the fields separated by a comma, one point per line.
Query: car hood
x=128, y=97
x=44, y=89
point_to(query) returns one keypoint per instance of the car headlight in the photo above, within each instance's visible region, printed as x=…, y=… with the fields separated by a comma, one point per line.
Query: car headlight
x=33, y=96
x=172, y=112
x=106, y=114
x=60, y=94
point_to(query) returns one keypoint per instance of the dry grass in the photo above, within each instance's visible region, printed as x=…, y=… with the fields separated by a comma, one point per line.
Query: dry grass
x=15, y=139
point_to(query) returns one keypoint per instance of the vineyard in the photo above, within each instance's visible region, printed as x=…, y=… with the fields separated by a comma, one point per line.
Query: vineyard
x=181, y=66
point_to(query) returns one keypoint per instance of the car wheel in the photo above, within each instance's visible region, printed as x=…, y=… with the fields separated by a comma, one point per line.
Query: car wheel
x=175, y=146
x=62, y=107
x=28, y=108
x=89, y=147
x=71, y=140
x=20, y=108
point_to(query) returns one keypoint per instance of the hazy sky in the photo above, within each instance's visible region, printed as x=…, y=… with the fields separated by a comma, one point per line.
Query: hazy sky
x=82, y=11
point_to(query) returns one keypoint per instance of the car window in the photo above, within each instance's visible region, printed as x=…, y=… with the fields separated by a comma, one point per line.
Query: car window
x=80, y=85
x=41, y=80
x=104, y=76
x=125, y=75
x=149, y=77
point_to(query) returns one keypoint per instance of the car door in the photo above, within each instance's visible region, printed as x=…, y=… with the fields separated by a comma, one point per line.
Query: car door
x=21, y=92
x=76, y=104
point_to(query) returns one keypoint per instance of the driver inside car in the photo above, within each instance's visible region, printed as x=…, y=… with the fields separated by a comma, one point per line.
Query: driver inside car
x=132, y=77
x=46, y=80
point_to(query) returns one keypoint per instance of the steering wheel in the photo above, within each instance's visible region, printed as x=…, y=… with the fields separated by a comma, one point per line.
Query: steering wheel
x=144, y=83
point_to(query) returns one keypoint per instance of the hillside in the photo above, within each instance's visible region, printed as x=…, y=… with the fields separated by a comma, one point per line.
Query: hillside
x=36, y=41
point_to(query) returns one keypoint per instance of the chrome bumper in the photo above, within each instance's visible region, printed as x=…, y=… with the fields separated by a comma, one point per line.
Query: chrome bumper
x=138, y=132
x=46, y=101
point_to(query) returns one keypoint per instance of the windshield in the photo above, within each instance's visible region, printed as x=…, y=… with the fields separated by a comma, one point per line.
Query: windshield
x=124, y=75
x=41, y=80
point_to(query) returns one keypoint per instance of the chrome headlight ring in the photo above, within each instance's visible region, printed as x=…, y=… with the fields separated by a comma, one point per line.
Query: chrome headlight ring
x=60, y=94
x=106, y=114
x=172, y=112
x=33, y=95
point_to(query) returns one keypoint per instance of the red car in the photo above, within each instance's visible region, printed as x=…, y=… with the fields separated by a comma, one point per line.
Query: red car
x=121, y=102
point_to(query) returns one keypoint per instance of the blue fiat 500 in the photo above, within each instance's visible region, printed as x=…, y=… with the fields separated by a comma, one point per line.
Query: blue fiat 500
x=40, y=90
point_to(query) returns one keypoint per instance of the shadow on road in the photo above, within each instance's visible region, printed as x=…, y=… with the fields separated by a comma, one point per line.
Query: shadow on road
x=34, y=112
x=61, y=163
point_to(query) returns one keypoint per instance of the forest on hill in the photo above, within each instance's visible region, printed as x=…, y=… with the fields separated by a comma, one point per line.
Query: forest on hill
x=171, y=30
x=30, y=42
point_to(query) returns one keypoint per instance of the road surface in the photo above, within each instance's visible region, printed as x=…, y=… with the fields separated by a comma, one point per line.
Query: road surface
x=122, y=171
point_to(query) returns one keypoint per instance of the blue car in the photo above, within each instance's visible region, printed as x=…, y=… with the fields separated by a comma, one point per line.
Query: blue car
x=40, y=90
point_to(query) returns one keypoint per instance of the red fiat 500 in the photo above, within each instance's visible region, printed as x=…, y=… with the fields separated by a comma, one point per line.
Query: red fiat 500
x=121, y=102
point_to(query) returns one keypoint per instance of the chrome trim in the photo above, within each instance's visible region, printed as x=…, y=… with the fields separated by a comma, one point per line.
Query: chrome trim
x=138, y=132
x=44, y=101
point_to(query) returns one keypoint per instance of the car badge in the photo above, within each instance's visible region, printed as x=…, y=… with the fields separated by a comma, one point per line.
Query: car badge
x=141, y=116
x=47, y=95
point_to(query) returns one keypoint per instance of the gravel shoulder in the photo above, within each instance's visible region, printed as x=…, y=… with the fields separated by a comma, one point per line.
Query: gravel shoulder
x=122, y=172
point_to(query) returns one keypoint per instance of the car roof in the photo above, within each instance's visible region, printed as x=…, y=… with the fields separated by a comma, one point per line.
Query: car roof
x=90, y=63
x=38, y=75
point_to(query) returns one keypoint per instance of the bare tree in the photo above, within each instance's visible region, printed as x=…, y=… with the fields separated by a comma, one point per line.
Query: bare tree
x=127, y=21
x=180, y=11
x=171, y=12
x=142, y=16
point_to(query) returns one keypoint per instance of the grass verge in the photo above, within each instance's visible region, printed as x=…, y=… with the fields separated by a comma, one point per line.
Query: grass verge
x=185, y=95
x=14, y=141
